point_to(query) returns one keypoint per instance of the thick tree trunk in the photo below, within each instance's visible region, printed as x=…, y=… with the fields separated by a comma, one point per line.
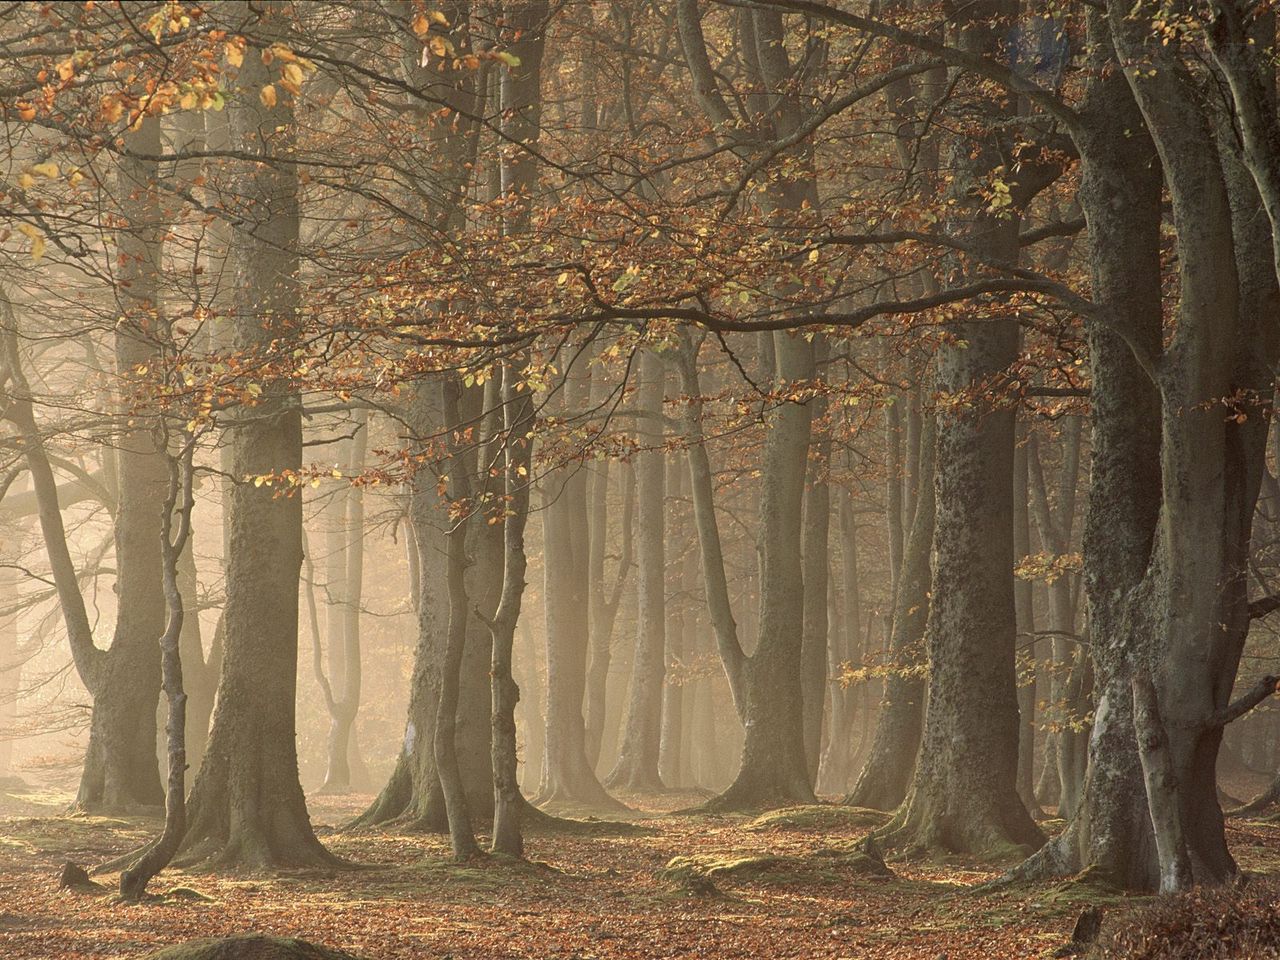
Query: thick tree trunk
x=964, y=797
x=1110, y=838
x=247, y=807
x=773, y=768
x=120, y=767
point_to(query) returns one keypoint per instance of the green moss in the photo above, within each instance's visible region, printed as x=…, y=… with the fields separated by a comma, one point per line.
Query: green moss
x=819, y=817
x=251, y=947
x=828, y=863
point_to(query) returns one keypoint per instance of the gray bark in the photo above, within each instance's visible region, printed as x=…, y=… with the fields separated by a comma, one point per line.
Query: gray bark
x=247, y=807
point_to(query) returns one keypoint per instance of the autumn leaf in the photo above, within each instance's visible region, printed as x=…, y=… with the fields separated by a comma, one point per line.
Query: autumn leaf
x=268, y=96
x=235, y=53
x=36, y=238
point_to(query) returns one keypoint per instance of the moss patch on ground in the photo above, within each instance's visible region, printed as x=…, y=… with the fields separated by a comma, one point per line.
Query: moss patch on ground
x=819, y=817
x=824, y=864
x=252, y=947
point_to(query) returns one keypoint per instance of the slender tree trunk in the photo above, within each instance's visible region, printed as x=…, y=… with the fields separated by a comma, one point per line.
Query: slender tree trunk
x=843, y=746
x=639, y=752
x=883, y=782
x=412, y=794
x=519, y=418
x=10, y=676
x=604, y=606
x=817, y=566
x=1024, y=609
x=671, y=752
x=199, y=673
x=568, y=776
x=461, y=834
x=345, y=770
x=181, y=500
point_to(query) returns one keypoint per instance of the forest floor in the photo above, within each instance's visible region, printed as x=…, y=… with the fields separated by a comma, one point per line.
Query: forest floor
x=586, y=896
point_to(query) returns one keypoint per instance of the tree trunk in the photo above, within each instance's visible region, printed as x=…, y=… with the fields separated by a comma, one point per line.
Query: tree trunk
x=773, y=768
x=883, y=782
x=604, y=604
x=412, y=795
x=964, y=797
x=247, y=807
x=134, y=880
x=568, y=776
x=637, y=768
x=817, y=566
x=460, y=467
x=1024, y=610
x=672, y=761
x=841, y=753
x=518, y=417
x=120, y=768
x=345, y=769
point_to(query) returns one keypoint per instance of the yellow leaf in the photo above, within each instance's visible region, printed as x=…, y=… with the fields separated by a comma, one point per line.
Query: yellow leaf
x=293, y=73
x=188, y=101
x=66, y=70
x=421, y=26
x=74, y=177
x=48, y=169
x=439, y=18
x=26, y=181
x=36, y=238
x=235, y=54
x=510, y=59
x=268, y=96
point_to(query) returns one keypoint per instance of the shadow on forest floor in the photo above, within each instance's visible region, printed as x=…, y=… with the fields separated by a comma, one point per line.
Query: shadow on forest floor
x=786, y=883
